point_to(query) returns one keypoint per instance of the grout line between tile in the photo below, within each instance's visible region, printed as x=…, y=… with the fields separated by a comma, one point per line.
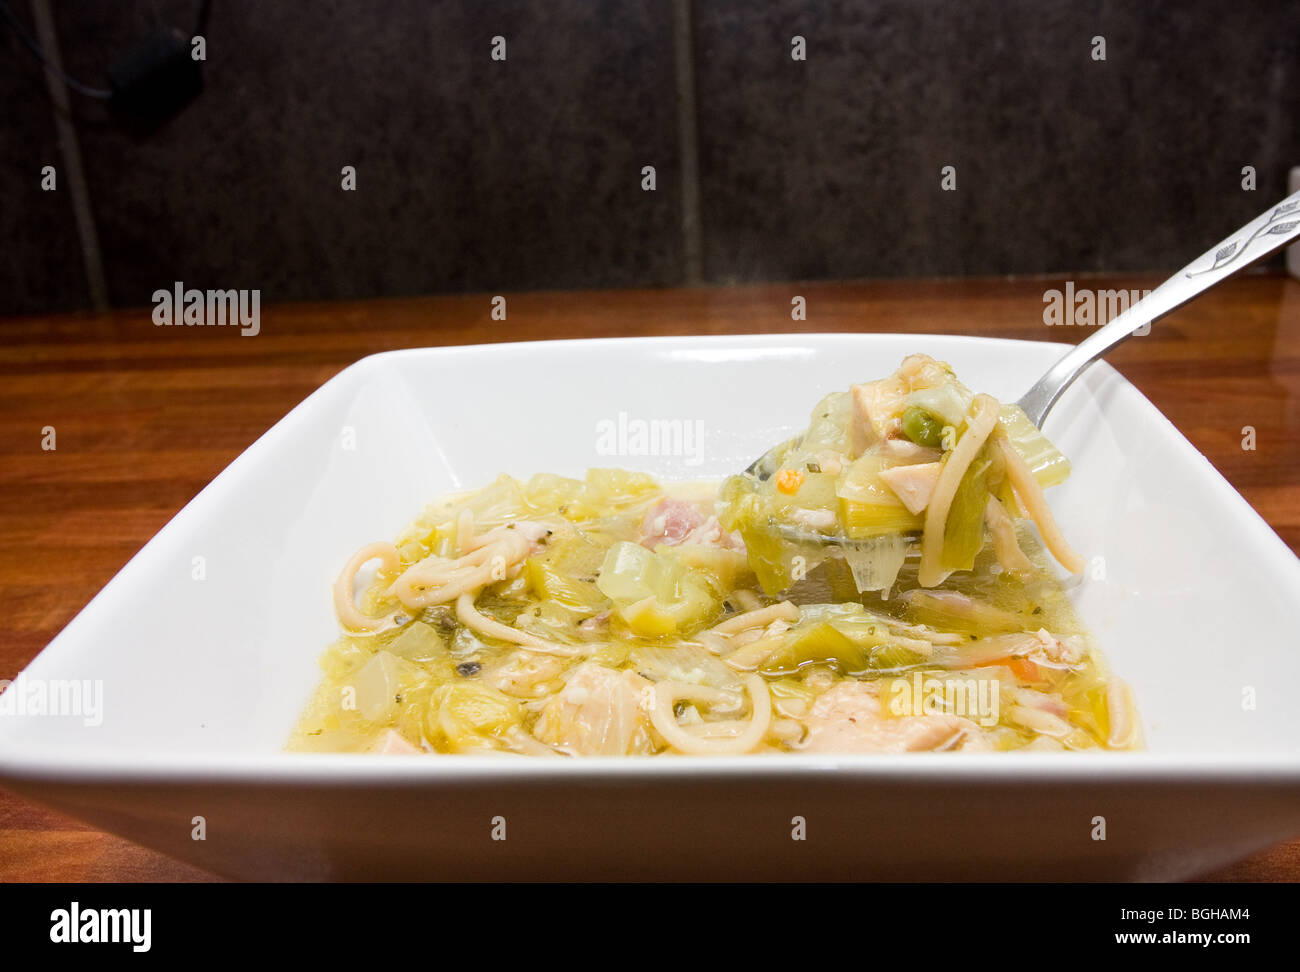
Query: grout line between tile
x=688, y=142
x=75, y=179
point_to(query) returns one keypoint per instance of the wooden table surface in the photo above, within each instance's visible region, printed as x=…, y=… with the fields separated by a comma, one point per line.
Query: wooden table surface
x=146, y=416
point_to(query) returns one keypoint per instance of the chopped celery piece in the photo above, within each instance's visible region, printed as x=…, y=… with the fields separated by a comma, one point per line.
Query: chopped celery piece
x=566, y=573
x=1046, y=462
x=618, y=488
x=771, y=558
x=554, y=621
x=630, y=572
x=922, y=427
x=611, y=654
x=862, y=483
x=863, y=630
x=963, y=530
x=783, y=689
x=419, y=642
x=655, y=616
x=604, y=491
x=816, y=492
x=653, y=593
x=726, y=568
x=883, y=652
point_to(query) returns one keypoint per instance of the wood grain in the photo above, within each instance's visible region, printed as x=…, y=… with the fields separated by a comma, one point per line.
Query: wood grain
x=146, y=416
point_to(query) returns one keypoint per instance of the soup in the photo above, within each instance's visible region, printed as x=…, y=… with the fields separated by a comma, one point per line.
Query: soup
x=885, y=582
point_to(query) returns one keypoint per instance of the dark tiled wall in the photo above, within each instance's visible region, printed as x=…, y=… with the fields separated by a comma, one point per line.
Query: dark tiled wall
x=481, y=175
x=40, y=258
x=831, y=167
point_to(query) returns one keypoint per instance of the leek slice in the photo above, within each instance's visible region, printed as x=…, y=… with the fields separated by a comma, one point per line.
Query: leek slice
x=862, y=520
x=853, y=645
x=963, y=530
x=1045, y=461
x=962, y=614
x=813, y=643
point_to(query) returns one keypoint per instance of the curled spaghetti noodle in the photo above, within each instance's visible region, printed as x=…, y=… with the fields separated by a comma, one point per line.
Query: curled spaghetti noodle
x=345, y=604
x=715, y=738
x=483, y=559
x=1031, y=495
x=471, y=617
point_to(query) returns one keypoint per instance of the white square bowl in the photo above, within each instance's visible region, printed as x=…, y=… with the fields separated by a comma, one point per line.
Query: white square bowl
x=205, y=664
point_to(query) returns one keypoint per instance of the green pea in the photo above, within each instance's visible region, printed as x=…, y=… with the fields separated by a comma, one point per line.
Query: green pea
x=922, y=427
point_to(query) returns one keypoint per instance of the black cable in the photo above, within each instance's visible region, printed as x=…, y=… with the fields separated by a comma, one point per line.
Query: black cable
x=101, y=93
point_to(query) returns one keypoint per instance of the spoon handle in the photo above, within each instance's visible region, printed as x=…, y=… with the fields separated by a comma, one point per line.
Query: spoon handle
x=1274, y=228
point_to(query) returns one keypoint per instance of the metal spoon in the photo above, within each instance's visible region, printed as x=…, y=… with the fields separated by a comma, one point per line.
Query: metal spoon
x=1271, y=230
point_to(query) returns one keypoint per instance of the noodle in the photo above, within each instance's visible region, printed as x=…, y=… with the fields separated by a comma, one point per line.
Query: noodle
x=471, y=618
x=1003, y=531
x=667, y=694
x=345, y=605
x=785, y=611
x=1031, y=494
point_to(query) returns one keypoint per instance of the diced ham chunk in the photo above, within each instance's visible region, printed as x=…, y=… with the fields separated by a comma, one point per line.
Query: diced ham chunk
x=877, y=404
x=669, y=521
x=873, y=405
x=675, y=523
x=913, y=484
x=848, y=719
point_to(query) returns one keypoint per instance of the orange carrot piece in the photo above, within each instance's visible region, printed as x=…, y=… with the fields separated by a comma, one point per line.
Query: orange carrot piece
x=788, y=481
